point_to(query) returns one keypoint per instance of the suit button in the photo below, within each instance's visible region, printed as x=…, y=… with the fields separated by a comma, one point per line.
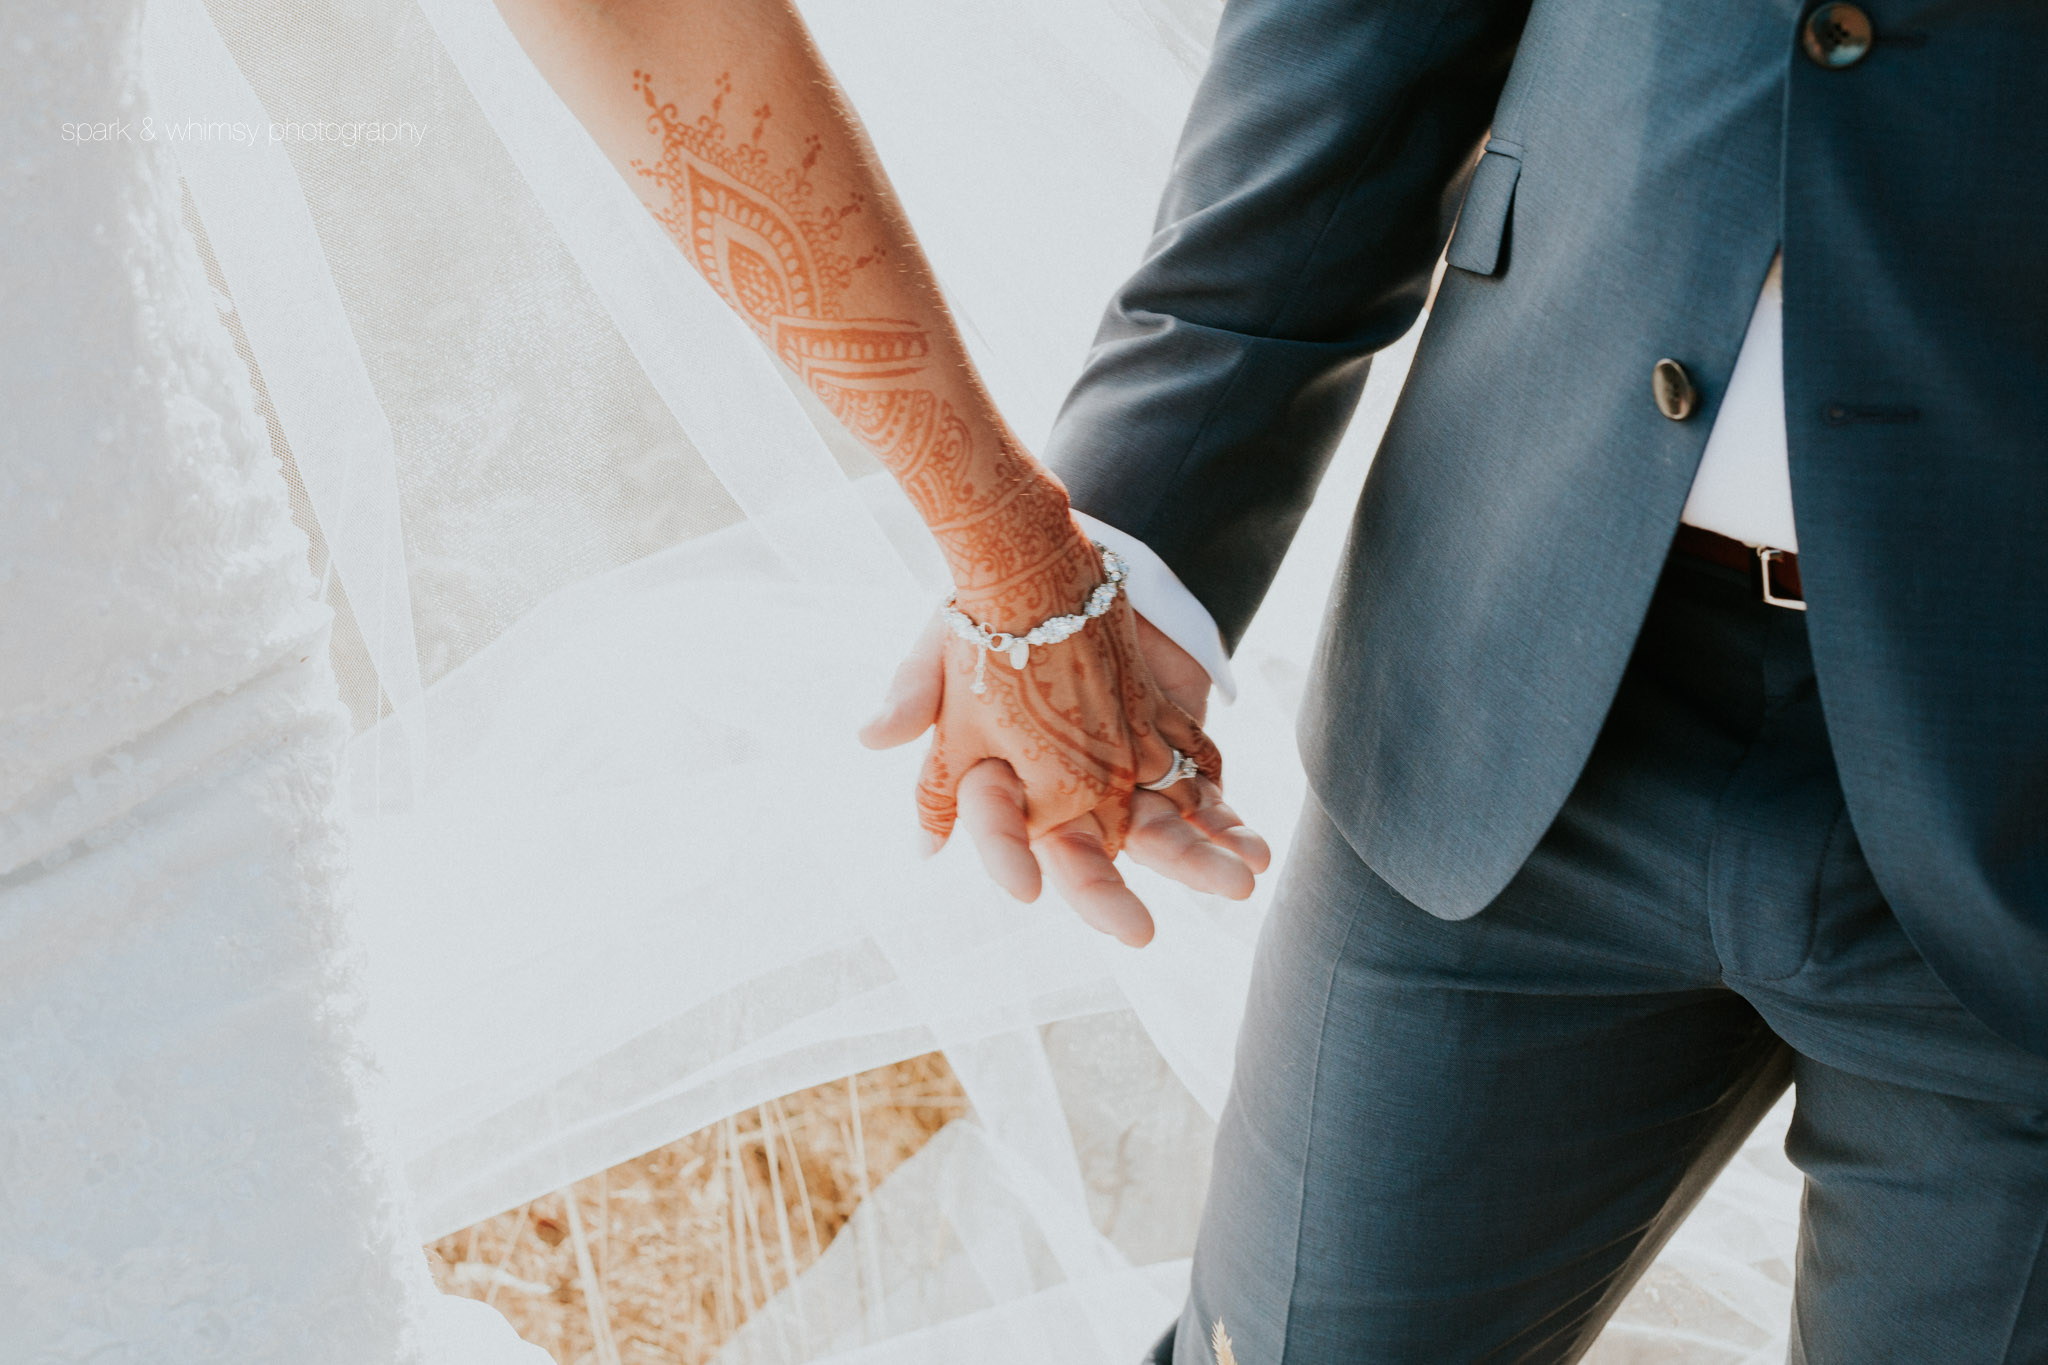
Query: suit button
x=1836, y=35
x=1673, y=389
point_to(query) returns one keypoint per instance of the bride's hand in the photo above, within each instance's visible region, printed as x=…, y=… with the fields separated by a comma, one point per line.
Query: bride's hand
x=1043, y=766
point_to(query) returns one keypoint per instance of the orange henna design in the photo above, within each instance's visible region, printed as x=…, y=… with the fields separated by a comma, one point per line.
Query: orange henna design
x=763, y=242
x=1075, y=728
x=1074, y=723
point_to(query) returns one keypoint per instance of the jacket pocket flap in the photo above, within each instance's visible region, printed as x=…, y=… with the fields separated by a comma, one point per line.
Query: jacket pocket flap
x=1483, y=221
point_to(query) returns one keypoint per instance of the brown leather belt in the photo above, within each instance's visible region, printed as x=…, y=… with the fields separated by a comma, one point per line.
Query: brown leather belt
x=1775, y=572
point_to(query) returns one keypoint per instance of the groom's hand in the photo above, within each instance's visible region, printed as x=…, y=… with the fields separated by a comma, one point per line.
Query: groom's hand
x=1199, y=842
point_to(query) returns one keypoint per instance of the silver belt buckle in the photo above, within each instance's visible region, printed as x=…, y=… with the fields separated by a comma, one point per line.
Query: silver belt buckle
x=1764, y=556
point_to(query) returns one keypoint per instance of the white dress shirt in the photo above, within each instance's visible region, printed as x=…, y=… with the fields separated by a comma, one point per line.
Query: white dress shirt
x=1743, y=490
x=1744, y=485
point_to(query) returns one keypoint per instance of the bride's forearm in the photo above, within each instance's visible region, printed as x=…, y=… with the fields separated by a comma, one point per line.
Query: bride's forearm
x=732, y=131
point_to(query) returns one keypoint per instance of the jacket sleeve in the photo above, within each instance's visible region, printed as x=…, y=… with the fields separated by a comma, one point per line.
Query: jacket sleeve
x=1306, y=208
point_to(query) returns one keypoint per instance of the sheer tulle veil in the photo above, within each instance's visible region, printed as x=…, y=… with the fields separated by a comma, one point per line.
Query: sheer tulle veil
x=612, y=597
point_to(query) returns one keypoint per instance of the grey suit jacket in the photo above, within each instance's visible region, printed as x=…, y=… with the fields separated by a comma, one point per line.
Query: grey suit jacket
x=1636, y=168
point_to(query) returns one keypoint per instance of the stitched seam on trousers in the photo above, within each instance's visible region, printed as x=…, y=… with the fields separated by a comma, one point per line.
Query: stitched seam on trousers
x=2012, y=1329
x=1820, y=881
x=1708, y=886
x=1308, y=1132
x=1795, y=1334
x=1836, y=827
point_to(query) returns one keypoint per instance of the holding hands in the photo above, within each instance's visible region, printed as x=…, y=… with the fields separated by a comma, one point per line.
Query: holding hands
x=724, y=119
x=1046, y=766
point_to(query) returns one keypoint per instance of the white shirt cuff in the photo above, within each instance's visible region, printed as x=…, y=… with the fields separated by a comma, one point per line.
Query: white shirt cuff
x=1161, y=598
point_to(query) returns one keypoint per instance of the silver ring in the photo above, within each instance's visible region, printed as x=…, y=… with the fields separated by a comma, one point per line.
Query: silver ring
x=1183, y=768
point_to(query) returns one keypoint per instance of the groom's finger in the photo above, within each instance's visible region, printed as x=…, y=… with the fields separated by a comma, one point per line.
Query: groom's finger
x=1166, y=841
x=1200, y=799
x=1086, y=877
x=1223, y=825
x=912, y=703
x=992, y=809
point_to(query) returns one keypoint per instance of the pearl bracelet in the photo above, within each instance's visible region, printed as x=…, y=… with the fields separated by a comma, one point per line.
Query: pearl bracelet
x=1048, y=632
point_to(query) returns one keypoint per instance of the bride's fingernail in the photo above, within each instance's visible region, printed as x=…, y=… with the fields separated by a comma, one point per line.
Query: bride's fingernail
x=928, y=843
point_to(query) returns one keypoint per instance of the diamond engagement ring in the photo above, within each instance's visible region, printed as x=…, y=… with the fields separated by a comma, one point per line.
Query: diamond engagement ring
x=1183, y=768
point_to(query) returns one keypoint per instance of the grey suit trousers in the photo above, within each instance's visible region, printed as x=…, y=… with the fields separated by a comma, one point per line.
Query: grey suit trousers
x=1463, y=1141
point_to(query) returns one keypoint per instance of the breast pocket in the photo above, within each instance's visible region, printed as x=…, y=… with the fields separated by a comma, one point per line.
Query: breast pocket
x=1480, y=242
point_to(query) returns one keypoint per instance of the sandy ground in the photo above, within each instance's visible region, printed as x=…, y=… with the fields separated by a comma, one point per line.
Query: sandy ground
x=660, y=1258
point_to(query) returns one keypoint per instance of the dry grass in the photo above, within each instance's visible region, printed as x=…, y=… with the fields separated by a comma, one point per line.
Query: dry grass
x=661, y=1258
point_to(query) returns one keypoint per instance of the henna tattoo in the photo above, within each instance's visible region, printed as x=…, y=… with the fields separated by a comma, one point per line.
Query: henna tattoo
x=1077, y=724
x=760, y=235
x=1082, y=750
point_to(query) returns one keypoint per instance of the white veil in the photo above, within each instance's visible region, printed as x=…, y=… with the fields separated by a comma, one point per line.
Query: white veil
x=612, y=596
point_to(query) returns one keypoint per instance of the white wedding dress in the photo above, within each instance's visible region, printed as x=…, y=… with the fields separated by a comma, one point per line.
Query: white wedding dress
x=599, y=593
x=187, y=1171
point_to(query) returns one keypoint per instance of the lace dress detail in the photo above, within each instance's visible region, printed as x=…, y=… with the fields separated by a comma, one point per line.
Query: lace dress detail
x=185, y=1170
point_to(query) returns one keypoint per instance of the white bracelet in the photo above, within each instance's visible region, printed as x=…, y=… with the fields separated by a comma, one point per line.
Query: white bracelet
x=1047, y=632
